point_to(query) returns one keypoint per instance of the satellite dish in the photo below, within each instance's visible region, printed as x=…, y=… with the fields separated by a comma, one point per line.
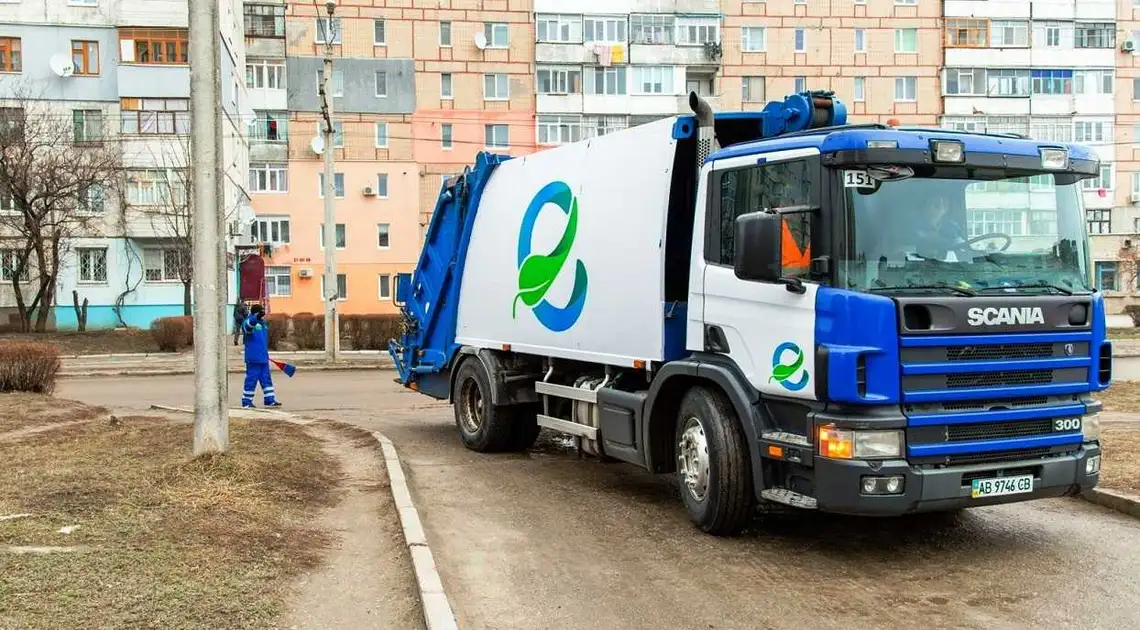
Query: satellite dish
x=480, y=40
x=317, y=144
x=61, y=65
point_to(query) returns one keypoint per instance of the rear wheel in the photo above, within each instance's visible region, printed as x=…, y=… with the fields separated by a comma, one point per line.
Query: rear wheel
x=713, y=467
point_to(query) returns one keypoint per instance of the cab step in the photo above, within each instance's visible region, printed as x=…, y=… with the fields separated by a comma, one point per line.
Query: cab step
x=790, y=497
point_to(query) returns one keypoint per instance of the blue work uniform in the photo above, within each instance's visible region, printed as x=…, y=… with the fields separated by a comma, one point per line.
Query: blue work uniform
x=256, y=361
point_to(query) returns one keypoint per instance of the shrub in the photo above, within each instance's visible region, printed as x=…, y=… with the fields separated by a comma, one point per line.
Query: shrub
x=188, y=322
x=278, y=329
x=171, y=334
x=309, y=331
x=370, y=332
x=28, y=367
x=1133, y=311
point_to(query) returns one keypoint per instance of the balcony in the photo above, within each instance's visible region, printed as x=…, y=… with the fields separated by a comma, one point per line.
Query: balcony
x=269, y=137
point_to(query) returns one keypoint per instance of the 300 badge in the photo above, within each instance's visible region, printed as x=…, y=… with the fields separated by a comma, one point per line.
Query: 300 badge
x=1067, y=425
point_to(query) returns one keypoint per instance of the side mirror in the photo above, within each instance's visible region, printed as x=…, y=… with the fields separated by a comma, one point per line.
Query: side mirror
x=758, y=256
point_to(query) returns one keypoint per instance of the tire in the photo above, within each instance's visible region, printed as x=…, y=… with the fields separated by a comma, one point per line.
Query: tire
x=524, y=427
x=718, y=496
x=483, y=427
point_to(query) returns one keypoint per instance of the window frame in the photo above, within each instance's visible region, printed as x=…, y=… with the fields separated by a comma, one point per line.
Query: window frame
x=11, y=55
x=271, y=171
x=265, y=224
x=79, y=254
x=339, y=230
x=287, y=273
x=88, y=65
x=163, y=38
x=336, y=194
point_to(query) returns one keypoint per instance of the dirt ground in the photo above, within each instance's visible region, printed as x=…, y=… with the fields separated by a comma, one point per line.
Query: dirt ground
x=22, y=411
x=1120, y=469
x=159, y=539
x=1122, y=397
x=125, y=341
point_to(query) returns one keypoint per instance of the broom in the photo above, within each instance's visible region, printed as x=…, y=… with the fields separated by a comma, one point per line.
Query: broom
x=287, y=368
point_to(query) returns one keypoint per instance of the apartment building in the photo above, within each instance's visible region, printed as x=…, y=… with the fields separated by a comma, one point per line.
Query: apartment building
x=417, y=92
x=1116, y=245
x=118, y=72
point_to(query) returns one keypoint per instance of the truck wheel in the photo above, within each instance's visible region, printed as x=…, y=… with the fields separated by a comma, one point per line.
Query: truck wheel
x=713, y=463
x=482, y=427
x=524, y=427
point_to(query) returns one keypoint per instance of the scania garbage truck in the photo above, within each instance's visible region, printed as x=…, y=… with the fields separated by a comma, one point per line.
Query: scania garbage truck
x=779, y=307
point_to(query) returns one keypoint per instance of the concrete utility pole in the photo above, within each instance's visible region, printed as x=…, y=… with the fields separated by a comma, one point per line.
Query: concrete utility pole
x=332, y=329
x=211, y=420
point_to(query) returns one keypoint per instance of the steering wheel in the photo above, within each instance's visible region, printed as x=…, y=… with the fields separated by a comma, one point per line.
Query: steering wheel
x=967, y=245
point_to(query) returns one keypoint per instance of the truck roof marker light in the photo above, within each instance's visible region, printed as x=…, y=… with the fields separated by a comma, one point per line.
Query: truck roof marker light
x=882, y=144
x=948, y=151
x=1054, y=158
x=836, y=443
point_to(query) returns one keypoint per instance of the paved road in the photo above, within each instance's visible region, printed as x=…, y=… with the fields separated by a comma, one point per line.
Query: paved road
x=544, y=540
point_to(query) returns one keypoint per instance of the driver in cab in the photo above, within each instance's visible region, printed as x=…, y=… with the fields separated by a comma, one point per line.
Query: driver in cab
x=937, y=235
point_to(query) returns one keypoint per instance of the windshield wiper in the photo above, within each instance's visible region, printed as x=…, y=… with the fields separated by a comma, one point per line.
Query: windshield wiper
x=920, y=287
x=1034, y=285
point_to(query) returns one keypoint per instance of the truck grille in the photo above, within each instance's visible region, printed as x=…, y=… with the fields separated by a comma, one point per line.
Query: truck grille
x=991, y=458
x=996, y=379
x=997, y=430
x=1003, y=351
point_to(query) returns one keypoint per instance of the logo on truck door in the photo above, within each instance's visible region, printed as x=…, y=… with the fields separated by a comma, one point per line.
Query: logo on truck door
x=537, y=272
x=788, y=367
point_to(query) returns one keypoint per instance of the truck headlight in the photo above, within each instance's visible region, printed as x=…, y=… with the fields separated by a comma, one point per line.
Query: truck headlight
x=851, y=444
x=1090, y=428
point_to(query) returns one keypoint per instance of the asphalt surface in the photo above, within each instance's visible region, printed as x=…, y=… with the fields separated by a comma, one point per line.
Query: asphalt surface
x=545, y=540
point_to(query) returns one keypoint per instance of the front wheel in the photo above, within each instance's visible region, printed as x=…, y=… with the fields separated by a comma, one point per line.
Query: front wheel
x=713, y=467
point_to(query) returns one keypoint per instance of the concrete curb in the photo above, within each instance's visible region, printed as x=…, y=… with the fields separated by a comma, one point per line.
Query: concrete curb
x=184, y=371
x=438, y=614
x=1113, y=500
x=143, y=355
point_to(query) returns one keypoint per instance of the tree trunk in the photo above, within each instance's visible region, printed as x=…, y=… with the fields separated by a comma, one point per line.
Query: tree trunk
x=80, y=312
x=187, y=307
x=45, y=306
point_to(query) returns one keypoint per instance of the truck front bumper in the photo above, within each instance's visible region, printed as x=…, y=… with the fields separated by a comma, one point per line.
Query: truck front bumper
x=839, y=484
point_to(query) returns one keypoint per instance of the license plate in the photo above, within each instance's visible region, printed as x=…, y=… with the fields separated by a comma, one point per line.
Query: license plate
x=999, y=486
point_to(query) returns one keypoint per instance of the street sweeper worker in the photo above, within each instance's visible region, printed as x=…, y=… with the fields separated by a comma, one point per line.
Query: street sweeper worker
x=256, y=331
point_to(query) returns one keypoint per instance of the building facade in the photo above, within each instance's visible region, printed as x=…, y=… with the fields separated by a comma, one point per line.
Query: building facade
x=115, y=74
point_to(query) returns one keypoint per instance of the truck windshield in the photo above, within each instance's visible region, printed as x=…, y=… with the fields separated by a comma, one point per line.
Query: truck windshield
x=936, y=231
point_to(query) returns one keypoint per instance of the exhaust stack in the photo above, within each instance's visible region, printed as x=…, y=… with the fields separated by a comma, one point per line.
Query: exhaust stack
x=706, y=128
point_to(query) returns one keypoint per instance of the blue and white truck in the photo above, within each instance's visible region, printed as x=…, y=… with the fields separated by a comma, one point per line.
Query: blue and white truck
x=777, y=306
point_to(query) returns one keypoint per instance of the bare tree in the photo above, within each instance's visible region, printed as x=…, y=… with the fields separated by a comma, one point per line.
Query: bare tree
x=56, y=170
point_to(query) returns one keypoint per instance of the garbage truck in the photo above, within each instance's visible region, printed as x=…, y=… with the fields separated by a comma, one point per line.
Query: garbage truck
x=777, y=306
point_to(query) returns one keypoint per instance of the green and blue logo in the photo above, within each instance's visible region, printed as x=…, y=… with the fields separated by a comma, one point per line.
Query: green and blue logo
x=784, y=372
x=537, y=272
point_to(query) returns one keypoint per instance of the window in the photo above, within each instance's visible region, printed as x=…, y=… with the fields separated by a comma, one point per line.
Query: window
x=800, y=37
x=384, y=288
x=11, y=57
x=341, y=235
x=341, y=287
x=651, y=29
x=753, y=39
x=265, y=75
x=1009, y=33
x=598, y=126
x=610, y=30
x=87, y=125
x=1100, y=221
x=278, y=281
x=496, y=136
x=1136, y=89
x=161, y=46
x=752, y=90
x=559, y=129
x=264, y=20
x=965, y=82
x=382, y=185
x=381, y=135
x=10, y=263
x=91, y=199
x=652, y=79
x=860, y=40
x=337, y=82
x=269, y=127
x=608, y=81
x=697, y=31
x=906, y=40
x=907, y=3
x=906, y=88
x=565, y=29
x=153, y=187
x=1057, y=129
x=381, y=84
x=268, y=178
x=1106, y=276
x=1053, y=34
x=1093, y=81
x=445, y=34
x=338, y=184
x=498, y=34
x=445, y=85
x=164, y=265
x=338, y=134
x=1007, y=82
x=325, y=27
x=11, y=123
x=92, y=264
x=8, y=204
x=85, y=57
x=446, y=132
x=383, y=240
x=799, y=84
x=860, y=89
x=273, y=230
x=1102, y=182
x=774, y=186
x=496, y=87
x=379, y=34
x=967, y=33
x=559, y=80
x=1095, y=35
x=1052, y=81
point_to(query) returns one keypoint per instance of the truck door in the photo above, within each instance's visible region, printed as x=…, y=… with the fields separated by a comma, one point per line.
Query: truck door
x=767, y=330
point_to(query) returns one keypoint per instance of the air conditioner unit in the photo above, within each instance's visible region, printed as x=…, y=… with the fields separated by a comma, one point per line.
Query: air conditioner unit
x=1135, y=197
x=304, y=272
x=369, y=192
x=1128, y=45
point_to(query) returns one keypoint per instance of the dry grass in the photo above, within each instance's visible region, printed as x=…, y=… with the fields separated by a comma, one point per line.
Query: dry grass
x=169, y=541
x=21, y=411
x=91, y=342
x=1120, y=469
x=1124, y=333
x=1123, y=396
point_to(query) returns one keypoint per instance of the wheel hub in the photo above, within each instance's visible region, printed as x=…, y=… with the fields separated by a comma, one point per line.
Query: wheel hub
x=693, y=458
x=473, y=407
